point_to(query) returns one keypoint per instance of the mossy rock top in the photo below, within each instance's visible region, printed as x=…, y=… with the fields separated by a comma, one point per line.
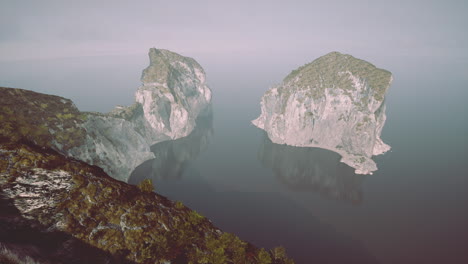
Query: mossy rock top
x=330, y=71
x=128, y=222
x=163, y=66
x=40, y=118
x=64, y=194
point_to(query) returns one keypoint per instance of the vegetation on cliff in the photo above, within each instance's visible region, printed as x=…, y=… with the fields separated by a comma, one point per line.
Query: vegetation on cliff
x=40, y=118
x=128, y=222
x=329, y=71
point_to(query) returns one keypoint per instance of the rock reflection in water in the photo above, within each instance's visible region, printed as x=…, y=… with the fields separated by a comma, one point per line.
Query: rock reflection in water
x=174, y=156
x=304, y=169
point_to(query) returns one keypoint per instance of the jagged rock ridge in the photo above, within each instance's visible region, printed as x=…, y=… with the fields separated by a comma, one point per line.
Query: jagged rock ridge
x=336, y=102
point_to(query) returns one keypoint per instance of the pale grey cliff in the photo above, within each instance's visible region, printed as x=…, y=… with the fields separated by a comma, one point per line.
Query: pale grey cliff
x=172, y=95
x=336, y=102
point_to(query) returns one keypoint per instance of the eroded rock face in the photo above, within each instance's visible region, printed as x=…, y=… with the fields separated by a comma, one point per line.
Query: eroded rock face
x=336, y=102
x=112, y=144
x=174, y=93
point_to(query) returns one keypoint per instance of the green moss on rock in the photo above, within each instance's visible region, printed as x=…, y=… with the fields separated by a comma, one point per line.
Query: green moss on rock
x=124, y=220
x=329, y=71
x=39, y=118
x=162, y=71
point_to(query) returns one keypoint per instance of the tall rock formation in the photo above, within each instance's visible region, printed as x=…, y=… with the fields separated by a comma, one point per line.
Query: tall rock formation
x=336, y=102
x=173, y=94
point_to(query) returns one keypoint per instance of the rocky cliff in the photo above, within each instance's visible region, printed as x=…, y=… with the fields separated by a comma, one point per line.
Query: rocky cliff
x=173, y=94
x=336, y=102
x=57, y=209
x=70, y=201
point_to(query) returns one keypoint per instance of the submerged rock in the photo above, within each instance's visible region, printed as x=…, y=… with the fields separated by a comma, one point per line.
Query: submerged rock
x=173, y=94
x=336, y=102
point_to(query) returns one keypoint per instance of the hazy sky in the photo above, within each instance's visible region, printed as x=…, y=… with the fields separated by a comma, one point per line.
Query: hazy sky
x=55, y=29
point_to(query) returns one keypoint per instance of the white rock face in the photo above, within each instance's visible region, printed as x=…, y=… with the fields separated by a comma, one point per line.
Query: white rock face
x=112, y=144
x=337, y=102
x=173, y=94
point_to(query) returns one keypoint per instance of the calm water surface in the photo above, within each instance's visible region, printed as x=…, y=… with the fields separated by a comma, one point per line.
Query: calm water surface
x=412, y=210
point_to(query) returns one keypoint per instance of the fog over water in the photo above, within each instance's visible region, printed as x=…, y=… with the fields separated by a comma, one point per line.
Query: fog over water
x=412, y=210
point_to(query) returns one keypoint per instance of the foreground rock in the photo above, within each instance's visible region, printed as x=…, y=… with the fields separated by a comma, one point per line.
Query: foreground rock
x=125, y=222
x=57, y=209
x=173, y=94
x=336, y=102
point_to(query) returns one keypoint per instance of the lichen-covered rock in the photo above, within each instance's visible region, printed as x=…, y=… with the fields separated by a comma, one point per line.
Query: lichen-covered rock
x=336, y=102
x=129, y=223
x=54, y=122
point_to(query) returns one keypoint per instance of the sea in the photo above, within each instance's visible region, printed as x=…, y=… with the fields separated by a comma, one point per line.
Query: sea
x=413, y=209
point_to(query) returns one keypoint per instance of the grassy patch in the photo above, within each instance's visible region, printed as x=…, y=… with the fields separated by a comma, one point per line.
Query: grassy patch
x=40, y=118
x=329, y=71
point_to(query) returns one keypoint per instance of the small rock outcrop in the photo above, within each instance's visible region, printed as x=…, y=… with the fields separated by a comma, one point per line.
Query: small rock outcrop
x=336, y=102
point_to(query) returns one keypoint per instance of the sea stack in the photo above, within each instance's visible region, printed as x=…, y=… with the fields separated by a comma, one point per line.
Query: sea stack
x=172, y=95
x=336, y=102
